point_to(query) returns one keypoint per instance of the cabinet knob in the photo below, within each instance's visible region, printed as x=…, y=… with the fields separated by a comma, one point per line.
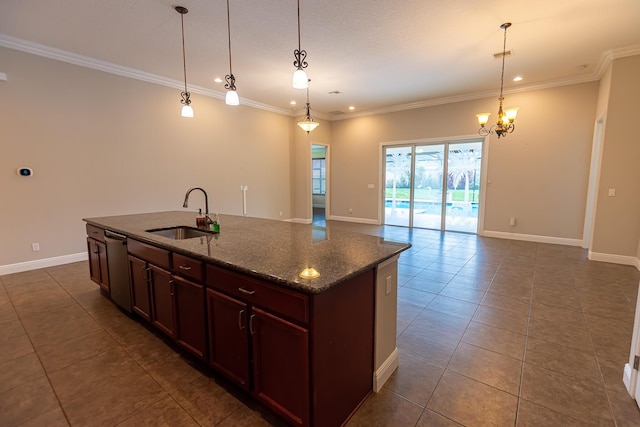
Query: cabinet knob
x=185, y=267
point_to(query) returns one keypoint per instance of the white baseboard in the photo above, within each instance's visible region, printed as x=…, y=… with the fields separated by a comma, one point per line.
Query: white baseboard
x=388, y=367
x=42, y=263
x=614, y=259
x=626, y=379
x=533, y=238
x=352, y=219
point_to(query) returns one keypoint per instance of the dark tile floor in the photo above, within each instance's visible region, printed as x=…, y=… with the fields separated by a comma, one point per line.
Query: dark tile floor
x=490, y=332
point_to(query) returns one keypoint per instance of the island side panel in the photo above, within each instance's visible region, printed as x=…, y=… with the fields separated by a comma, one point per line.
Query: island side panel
x=386, y=352
x=342, y=349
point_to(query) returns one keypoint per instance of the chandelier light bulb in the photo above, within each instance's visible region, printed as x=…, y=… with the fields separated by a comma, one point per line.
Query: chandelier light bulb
x=483, y=118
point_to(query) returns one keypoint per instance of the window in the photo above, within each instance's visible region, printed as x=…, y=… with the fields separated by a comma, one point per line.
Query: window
x=318, y=176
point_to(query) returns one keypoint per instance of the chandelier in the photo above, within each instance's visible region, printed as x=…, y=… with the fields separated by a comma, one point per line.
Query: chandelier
x=187, y=110
x=506, y=119
x=300, y=79
x=308, y=124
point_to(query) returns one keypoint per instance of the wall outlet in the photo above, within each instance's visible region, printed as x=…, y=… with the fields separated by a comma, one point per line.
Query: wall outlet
x=35, y=247
x=389, y=285
x=512, y=221
x=371, y=186
x=350, y=211
x=612, y=192
x=280, y=213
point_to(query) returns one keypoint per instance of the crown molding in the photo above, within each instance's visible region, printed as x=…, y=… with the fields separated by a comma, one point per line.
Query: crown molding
x=107, y=67
x=606, y=59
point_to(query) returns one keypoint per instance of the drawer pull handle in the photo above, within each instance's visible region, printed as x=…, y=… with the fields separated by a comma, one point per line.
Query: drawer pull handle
x=185, y=267
x=246, y=292
x=240, y=313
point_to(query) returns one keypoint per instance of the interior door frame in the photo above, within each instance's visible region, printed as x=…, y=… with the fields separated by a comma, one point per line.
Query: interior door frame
x=433, y=141
x=326, y=178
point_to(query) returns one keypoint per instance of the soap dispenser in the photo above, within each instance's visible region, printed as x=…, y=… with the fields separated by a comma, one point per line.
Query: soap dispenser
x=201, y=220
x=215, y=226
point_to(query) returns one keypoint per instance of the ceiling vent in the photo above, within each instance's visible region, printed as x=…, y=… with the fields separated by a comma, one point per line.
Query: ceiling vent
x=507, y=54
x=336, y=112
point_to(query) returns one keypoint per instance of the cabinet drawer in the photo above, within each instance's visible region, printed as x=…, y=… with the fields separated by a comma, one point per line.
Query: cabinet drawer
x=188, y=267
x=284, y=302
x=157, y=256
x=95, y=232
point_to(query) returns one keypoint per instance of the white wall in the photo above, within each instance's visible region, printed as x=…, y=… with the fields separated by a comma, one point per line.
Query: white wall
x=101, y=144
x=538, y=174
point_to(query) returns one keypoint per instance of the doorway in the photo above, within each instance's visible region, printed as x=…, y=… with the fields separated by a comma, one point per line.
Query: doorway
x=319, y=184
x=435, y=186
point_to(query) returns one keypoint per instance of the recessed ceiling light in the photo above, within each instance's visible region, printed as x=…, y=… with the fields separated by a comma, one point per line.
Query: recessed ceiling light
x=517, y=78
x=293, y=103
x=352, y=108
x=217, y=80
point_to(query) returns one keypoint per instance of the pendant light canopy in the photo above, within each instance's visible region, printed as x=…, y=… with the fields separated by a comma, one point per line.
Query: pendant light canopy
x=300, y=79
x=232, y=95
x=307, y=124
x=187, y=110
x=506, y=119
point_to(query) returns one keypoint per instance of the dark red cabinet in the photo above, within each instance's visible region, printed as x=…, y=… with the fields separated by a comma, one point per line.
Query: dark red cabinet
x=162, y=293
x=228, y=337
x=140, y=294
x=98, y=270
x=280, y=365
x=253, y=342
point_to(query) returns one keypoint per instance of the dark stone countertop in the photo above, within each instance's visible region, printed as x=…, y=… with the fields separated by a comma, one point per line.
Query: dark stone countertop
x=276, y=251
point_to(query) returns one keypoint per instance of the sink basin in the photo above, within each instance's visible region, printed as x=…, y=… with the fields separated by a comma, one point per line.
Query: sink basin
x=180, y=232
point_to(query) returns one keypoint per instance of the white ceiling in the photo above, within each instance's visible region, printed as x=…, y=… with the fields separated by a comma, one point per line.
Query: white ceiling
x=379, y=54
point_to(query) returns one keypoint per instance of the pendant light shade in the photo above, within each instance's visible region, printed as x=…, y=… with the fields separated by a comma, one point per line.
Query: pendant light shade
x=187, y=110
x=300, y=79
x=232, y=96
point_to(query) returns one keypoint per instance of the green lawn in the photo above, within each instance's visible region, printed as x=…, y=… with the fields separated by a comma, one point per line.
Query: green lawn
x=424, y=194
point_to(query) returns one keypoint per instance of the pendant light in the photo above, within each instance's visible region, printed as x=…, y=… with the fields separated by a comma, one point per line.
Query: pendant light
x=506, y=119
x=300, y=79
x=187, y=110
x=232, y=95
x=308, y=124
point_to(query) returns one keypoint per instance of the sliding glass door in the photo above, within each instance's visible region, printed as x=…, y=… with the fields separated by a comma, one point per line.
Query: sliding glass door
x=433, y=185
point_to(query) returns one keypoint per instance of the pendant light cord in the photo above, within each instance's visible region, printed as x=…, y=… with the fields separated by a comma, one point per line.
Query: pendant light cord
x=184, y=58
x=299, y=45
x=504, y=53
x=229, y=34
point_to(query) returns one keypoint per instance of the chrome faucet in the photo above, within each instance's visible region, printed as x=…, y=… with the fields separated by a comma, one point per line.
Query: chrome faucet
x=206, y=203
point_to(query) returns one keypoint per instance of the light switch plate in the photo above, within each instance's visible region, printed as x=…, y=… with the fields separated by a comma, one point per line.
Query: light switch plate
x=612, y=192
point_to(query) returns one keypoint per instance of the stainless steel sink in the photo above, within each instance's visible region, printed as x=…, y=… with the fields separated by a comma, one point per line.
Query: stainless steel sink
x=180, y=232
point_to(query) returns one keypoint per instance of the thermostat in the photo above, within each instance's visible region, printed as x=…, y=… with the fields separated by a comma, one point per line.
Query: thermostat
x=25, y=172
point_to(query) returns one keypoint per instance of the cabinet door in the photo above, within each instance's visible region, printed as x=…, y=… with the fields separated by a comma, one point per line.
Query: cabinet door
x=281, y=365
x=228, y=337
x=94, y=259
x=104, y=271
x=140, y=287
x=98, y=263
x=162, y=291
x=190, y=327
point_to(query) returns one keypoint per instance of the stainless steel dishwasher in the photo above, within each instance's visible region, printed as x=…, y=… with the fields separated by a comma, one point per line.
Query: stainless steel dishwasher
x=118, y=266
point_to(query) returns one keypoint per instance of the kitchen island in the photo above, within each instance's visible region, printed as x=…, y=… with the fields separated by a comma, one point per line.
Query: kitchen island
x=243, y=301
